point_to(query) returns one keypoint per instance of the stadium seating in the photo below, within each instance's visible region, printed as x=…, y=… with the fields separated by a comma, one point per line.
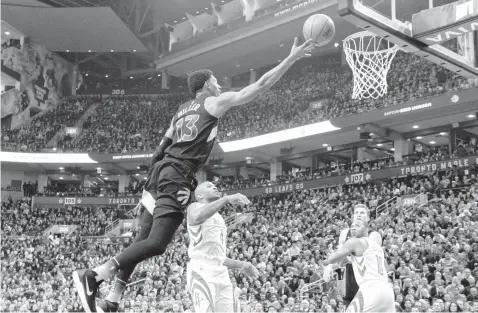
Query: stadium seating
x=342, y=168
x=112, y=130
x=35, y=135
x=287, y=240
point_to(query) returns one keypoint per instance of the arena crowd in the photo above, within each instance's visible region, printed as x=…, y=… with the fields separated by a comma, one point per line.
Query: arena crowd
x=133, y=123
x=432, y=249
x=35, y=135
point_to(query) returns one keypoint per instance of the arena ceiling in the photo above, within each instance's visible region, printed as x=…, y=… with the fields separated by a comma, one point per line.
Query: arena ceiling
x=265, y=48
x=81, y=29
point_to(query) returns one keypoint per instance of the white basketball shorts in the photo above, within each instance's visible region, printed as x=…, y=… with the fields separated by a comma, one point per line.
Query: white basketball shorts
x=210, y=287
x=373, y=296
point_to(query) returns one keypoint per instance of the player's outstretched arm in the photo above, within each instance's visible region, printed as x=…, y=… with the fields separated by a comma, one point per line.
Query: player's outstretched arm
x=246, y=267
x=199, y=212
x=229, y=99
x=349, y=247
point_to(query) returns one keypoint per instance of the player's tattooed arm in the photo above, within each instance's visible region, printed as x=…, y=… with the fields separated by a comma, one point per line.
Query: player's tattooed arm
x=198, y=213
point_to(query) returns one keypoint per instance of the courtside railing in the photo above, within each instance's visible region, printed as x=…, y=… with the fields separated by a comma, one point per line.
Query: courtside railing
x=385, y=206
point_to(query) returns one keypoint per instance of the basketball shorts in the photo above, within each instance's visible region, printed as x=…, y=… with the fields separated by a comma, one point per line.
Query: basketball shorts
x=210, y=287
x=171, y=184
x=373, y=296
x=351, y=286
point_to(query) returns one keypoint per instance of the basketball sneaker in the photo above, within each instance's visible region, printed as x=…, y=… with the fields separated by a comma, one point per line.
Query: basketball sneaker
x=107, y=306
x=87, y=288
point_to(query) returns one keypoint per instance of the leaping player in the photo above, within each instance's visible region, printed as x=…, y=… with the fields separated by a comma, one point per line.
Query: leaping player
x=171, y=179
x=375, y=294
x=207, y=272
x=347, y=280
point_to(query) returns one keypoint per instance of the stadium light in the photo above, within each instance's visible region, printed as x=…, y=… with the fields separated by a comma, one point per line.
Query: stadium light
x=67, y=50
x=61, y=177
x=137, y=174
x=106, y=178
x=112, y=50
x=106, y=75
x=131, y=77
x=325, y=145
x=432, y=142
x=336, y=45
x=89, y=50
x=419, y=137
x=379, y=144
x=393, y=149
x=7, y=33
x=442, y=133
x=415, y=126
x=134, y=50
x=471, y=116
x=86, y=74
x=279, y=136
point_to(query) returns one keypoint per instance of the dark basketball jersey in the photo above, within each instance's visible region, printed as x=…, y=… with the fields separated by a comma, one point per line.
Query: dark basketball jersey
x=351, y=286
x=195, y=131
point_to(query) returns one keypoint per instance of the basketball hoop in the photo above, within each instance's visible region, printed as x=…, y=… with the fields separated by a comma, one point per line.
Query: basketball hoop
x=369, y=56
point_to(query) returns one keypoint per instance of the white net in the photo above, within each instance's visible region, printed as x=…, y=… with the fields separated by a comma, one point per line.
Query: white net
x=369, y=56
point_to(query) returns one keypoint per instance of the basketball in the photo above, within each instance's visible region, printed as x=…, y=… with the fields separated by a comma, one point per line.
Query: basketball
x=320, y=28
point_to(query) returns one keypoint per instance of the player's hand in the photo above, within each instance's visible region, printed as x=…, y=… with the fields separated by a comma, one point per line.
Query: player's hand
x=304, y=50
x=328, y=273
x=238, y=198
x=249, y=270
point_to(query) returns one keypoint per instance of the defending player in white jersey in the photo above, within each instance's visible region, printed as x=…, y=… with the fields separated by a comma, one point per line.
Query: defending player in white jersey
x=207, y=273
x=375, y=294
x=347, y=283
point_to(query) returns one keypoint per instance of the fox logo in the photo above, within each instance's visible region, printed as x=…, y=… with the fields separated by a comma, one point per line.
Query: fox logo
x=183, y=196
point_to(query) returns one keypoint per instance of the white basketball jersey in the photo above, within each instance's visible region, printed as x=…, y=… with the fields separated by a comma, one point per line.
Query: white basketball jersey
x=208, y=240
x=371, y=265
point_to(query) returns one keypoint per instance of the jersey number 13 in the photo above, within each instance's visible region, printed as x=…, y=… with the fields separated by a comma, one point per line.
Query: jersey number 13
x=186, y=129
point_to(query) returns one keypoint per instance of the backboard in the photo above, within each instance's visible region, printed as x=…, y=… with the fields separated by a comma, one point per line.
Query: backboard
x=442, y=31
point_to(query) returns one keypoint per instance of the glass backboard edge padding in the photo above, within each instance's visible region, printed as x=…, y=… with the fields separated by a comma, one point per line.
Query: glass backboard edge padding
x=395, y=24
x=380, y=25
x=456, y=63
